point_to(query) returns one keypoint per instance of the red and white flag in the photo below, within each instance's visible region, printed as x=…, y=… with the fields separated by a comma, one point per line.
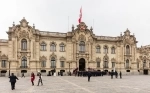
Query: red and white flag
x=80, y=16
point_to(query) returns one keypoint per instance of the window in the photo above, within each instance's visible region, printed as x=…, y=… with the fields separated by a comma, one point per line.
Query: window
x=127, y=63
x=82, y=46
x=43, y=47
x=24, y=62
x=105, y=63
x=105, y=49
x=113, y=50
x=53, y=62
x=113, y=64
x=52, y=47
x=3, y=63
x=144, y=63
x=61, y=63
x=98, y=49
x=62, y=47
x=43, y=64
x=24, y=44
x=98, y=64
x=127, y=49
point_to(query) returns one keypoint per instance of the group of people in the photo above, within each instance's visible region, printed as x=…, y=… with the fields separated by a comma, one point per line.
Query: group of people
x=116, y=74
x=13, y=79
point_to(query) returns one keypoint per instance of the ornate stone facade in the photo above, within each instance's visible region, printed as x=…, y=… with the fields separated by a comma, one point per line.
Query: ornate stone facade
x=31, y=50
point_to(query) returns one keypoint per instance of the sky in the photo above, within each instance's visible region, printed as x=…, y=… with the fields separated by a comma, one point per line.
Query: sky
x=107, y=17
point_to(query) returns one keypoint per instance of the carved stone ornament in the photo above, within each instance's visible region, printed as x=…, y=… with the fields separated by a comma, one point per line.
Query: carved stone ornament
x=62, y=59
x=43, y=58
x=113, y=60
x=98, y=59
x=82, y=26
x=52, y=55
x=4, y=57
x=105, y=58
x=23, y=34
x=23, y=23
x=82, y=37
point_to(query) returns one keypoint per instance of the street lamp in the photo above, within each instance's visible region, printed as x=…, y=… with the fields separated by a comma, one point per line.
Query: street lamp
x=9, y=68
x=69, y=67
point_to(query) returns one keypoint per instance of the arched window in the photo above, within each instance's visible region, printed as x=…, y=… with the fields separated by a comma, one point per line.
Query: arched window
x=105, y=63
x=43, y=63
x=144, y=63
x=127, y=49
x=127, y=63
x=105, y=49
x=53, y=62
x=98, y=49
x=23, y=44
x=43, y=46
x=24, y=62
x=82, y=46
x=113, y=50
x=62, y=47
x=53, y=47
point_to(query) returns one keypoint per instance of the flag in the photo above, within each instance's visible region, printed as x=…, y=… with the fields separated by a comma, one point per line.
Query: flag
x=80, y=16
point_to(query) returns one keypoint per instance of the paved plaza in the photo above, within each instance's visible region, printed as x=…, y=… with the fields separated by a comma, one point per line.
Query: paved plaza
x=71, y=84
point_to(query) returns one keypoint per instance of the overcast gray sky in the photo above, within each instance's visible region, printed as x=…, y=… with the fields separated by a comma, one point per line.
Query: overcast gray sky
x=110, y=16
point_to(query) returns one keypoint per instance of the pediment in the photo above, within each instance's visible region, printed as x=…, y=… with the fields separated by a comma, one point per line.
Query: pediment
x=62, y=58
x=43, y=58
x=4, y=56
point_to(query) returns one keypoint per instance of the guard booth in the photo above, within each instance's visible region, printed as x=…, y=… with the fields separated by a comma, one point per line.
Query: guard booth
x=43, y=72
x=145, y=71
x=61, y=72
x=23, y=71
x=3, y=73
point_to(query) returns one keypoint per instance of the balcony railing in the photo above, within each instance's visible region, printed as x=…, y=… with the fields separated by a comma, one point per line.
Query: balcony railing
x=106, y=67
x=53, y=66
x=23, y=66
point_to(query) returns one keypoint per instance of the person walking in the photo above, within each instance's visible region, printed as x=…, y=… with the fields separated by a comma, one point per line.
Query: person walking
x=120, y=75
x=13, y=80
x=89, y=76
x=32, y=78
x=23, y=75
x=40, y=80
x=112, y=74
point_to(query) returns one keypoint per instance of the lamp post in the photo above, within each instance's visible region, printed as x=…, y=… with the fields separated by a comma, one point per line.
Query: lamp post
x=69, y=67
x=9, y=68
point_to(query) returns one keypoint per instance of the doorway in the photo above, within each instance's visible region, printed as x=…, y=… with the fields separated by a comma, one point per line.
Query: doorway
x=82, y=64
x=145, y=72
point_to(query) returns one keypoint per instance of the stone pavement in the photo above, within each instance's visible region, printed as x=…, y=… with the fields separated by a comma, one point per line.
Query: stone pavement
x=71, y=84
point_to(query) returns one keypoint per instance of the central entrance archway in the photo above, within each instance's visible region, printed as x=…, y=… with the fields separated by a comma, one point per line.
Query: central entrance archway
x=82, y=64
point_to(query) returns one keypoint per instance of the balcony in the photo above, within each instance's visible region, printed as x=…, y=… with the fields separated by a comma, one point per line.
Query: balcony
x=105, y=67
x=53, y=66
x=128, y=67
x=23, y=66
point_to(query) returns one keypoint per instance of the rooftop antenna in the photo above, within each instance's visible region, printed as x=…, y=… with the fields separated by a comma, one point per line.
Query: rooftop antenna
x=68, y=23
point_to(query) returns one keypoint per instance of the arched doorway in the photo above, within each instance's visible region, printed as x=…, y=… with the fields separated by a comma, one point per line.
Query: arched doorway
x=82, y=64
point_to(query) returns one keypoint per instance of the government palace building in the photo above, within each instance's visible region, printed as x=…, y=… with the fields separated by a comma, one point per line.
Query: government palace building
x=31, y=50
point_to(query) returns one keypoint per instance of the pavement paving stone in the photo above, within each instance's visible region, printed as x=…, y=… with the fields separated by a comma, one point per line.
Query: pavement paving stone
x=72, y=84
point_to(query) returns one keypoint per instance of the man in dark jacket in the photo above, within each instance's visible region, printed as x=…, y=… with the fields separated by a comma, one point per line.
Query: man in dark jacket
x=89, y=75
x=40, y=80
x=13, y=80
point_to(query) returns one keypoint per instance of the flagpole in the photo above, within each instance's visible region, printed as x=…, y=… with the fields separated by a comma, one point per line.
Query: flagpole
x=93, y=23
x=68, y=23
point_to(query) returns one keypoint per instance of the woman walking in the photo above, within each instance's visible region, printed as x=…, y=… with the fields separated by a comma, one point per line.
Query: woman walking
x=32, y=78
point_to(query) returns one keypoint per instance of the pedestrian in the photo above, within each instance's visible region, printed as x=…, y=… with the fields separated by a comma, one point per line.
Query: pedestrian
x=89, y=76
x=40, y=80
x=120, y=75
x=23, y=75
x=32, y=78
x=112, y=74
x=13, y=80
